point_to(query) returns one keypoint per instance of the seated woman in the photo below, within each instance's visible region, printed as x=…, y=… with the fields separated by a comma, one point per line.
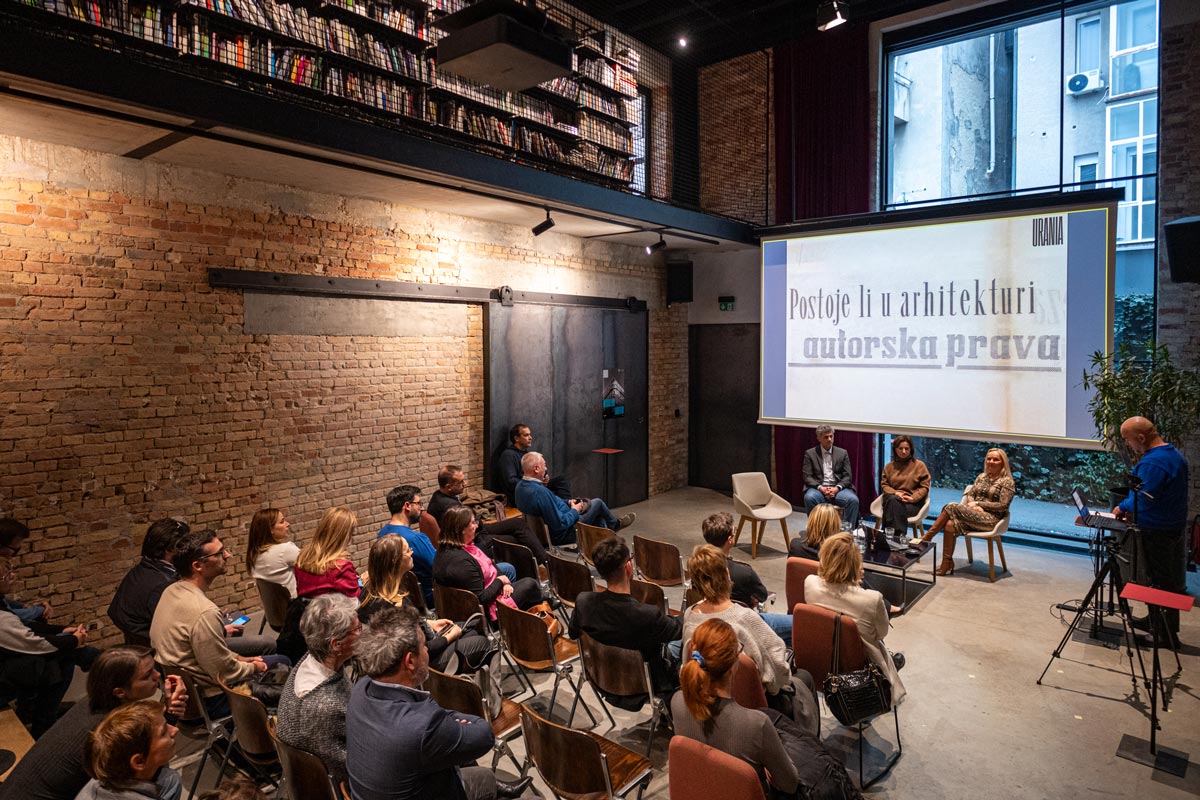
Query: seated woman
x=54, y=766
x=312, y=707
x=904, y=484
x=270, y=554
x=450, y=647
x=710, y=576
x=824, y=520
x=459, y=564
x=837, y=587
x=126, y=751
x=984, y=504
x=323, y=564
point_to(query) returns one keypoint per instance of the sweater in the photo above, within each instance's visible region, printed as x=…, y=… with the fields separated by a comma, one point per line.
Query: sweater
x=762, y=644
x=188, y=632
x=316, y=722
x=277, y=564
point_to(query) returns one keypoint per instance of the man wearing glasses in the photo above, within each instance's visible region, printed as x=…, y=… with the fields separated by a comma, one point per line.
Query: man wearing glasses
x=405, y=504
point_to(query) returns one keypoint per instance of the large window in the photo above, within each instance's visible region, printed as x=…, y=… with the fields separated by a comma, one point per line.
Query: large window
x=1060, y=101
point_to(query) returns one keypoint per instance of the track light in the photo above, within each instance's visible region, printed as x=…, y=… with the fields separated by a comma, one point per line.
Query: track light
x=659, y=245
x=831, y=14
x=544, y=225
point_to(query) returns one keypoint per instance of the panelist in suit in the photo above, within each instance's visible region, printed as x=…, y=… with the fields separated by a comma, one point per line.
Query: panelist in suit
x=828, y=477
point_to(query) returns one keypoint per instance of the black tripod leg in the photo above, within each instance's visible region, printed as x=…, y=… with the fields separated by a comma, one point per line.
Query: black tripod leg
x=1088, y=600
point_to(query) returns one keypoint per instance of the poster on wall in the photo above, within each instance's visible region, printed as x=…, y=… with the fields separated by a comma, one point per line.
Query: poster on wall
x=613, y=397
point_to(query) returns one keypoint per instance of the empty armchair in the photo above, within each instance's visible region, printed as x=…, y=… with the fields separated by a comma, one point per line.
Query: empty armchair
x=753, y=500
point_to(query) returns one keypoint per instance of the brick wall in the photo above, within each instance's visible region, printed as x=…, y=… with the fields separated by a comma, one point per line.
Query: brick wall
x=130, y=391
x=734, y=138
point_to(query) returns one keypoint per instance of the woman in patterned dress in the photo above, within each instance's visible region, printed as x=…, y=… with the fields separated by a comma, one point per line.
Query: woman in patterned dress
x=984, y=504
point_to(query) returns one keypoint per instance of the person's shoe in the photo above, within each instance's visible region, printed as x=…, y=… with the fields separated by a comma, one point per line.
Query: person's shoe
x=1147, y=641
x=508, y=790
x=1140, y=623
x=947, y=568
x=898, y=611
x=899, y=660
x=626, y=520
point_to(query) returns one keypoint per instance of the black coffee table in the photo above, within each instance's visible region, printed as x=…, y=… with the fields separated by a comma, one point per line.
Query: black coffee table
x=891, y=572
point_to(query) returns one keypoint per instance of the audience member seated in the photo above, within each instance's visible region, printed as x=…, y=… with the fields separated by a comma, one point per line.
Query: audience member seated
x=710, y=576
x=904, y=483
x=748, y=589
x=510, y=470
x=985, y=503
x=400, y=744
x=789, y=760
x=560, y=516
x=53, y=769
x=452, y=484
x=271, y=554
x=324, y=564
x=37, y=660
x=461, y=565
x=133, y=605
x=126, y=751
x=188, y=631
x=312, y=708
x=823, y=521
x=13, y=534
x=404, y=503
x=828, y=477
x=450, y=647
x=837, y=586
x=615, y=618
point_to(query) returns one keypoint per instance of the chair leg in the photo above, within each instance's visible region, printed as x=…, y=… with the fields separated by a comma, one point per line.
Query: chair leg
x=578, y=684
x=970, y=555
x=199, y=770
x=991, y=563
x=653, y=725
x=603, y=705
x=741, y=523
x=860, y=757
x=753, y=538
x=787, y=539
x=1000, y=547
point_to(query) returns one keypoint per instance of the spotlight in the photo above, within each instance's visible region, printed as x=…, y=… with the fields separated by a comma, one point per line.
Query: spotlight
x=659, y=245
x=831, y=14
x=544, y=225
x=683, y=41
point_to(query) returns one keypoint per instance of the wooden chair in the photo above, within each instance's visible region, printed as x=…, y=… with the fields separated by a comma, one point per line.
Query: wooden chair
x=658, y=562
x=812, y=649
x=197, y=723
x=429, y=526
x=991, y=536
x=651, y=594
x=747, y=689
x=696, y=770
x=588, y=536
x=275, y=599
x=464, y=695
x=459, y=605
x=538, y=526
x=796, y=570
x=528, y=642
x=568, y=578
x=520, y=556
x=916, y=523
x=621, y=672
x=304, y=773
x=252, y=736
x=753, y=500
x=412, y=588
x=691, y=596
x=580, y=764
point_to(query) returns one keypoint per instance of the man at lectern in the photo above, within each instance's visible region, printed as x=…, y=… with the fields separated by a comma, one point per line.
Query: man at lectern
x=828, y=478
x=1161, y=505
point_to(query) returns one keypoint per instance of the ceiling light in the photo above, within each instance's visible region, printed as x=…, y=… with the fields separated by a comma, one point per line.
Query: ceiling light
x=659, y=245
x=831, y=14
x=683, y=41
x=544, y=225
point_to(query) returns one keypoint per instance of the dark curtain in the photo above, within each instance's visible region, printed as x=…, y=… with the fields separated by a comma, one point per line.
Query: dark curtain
x=823, y=157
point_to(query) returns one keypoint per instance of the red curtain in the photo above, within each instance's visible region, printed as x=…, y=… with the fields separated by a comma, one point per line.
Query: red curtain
x=823, y=158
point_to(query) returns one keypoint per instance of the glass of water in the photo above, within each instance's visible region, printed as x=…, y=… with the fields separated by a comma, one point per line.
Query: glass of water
x=890, y=533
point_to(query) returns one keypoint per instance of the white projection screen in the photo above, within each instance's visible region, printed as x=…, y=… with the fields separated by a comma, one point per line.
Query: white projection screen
x=971, y=327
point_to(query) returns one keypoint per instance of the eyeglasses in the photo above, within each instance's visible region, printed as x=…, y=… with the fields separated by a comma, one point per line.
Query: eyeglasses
x=224, y=551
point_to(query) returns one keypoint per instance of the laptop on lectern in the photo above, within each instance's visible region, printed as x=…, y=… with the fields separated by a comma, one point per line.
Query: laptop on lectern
x=1096, y=519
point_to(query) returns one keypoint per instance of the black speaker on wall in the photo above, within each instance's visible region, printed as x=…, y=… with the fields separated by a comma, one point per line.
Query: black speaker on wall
x=679, y=282
x=1183, y=249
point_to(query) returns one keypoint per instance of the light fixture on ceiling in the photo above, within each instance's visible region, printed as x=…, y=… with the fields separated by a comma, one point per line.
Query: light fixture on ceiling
x=683, y=41
x=659, y=245
x=544, y=225
x=830, y=14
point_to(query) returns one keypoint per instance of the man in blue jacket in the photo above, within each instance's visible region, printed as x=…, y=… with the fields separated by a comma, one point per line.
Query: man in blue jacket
x=560, y=516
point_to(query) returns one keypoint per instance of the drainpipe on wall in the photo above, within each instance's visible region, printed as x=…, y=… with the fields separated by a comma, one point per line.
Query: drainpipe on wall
x=992, y=103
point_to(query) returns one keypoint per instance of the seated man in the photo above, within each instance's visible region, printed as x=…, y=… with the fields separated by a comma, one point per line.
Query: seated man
x=748, y=588
x=132, y=607
x=188, y=630
x=13, y=534
x=532, y=497
x=451, y=485
x=508, y=465
x=405, y=504
x=828, y=477
x=400, y=744
x=615, y=618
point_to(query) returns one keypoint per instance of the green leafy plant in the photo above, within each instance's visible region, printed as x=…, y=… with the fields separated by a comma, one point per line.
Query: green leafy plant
x=1151, y=385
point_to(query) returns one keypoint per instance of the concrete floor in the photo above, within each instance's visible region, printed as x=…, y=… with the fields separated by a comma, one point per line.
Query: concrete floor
x=975, y=723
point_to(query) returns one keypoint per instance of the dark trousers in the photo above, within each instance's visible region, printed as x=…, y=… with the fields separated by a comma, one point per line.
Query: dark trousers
x=1164, y=565
x=896, y=512
x=514, y=531
x=37, y=683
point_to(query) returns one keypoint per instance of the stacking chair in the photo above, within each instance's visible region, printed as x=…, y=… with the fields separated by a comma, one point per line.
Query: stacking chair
x=812, y=649
x=624, y=673
x=651, y=594
x=412, y=588
x=696, y=770
x=989, y=536
x=520, y=556
x=465, y=696
x=215, y=730
x=588, y=536
x=459, y=605
x=580, y=764
x=747, y=689
x=528, y=642
x=569, y=578
x=691, y=596
x=275, y=599
x=538, y=526
x=916, y=522
x=304, y=774
x=429, y=526
x=658, y=562
x=796, y=570
x=252, y=737
x=753, y=500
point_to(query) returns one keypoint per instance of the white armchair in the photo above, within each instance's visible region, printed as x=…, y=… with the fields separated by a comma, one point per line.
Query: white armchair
x=989, y=536
x=915, y=522
x=753, y=500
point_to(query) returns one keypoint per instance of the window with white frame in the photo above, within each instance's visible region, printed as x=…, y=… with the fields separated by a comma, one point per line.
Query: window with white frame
x=1132, y=129
x=1087, y=44
x=1133, y=35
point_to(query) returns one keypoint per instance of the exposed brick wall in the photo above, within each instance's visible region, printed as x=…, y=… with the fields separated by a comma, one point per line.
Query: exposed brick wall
x=130, y=391
x=734, y=137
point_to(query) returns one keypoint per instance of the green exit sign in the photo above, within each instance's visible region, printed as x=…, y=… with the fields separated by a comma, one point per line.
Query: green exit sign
x=725, y=302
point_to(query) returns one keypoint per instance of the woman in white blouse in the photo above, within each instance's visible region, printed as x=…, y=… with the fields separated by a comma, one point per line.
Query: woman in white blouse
x=271, y=555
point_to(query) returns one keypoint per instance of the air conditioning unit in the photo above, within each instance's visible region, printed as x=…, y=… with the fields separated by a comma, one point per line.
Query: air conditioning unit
x=1084, y=82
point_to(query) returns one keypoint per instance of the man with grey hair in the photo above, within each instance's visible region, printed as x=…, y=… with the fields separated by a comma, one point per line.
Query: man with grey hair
x=560, y=516
x=828, y=477
x=400, y=744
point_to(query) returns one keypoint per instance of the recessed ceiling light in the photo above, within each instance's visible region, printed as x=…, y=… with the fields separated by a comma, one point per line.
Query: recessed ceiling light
x=683, y=41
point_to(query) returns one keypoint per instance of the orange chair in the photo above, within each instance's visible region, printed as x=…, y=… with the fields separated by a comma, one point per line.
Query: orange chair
x=797, y=570
x=429, y=526
x=696, y=770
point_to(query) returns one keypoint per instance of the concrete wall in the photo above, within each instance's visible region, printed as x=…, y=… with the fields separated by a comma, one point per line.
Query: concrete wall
x=717, y=274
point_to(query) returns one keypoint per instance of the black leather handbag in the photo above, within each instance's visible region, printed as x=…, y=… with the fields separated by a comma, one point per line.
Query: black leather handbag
x=858, y=695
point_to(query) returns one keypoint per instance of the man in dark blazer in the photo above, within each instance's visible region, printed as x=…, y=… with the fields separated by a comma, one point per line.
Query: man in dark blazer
x=828, y=477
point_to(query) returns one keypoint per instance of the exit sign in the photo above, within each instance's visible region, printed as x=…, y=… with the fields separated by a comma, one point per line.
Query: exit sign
x=725, y=302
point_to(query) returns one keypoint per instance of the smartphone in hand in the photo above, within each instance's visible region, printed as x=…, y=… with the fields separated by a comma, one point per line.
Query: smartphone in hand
x=242, y=620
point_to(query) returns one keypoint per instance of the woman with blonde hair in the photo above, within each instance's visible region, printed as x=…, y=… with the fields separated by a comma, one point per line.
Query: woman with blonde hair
x=837, y=587
x=984, y=504
x=270, y=554
x=824, y=520
x=323, y=564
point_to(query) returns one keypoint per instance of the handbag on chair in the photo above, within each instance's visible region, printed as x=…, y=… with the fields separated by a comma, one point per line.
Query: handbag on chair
x=858, y=695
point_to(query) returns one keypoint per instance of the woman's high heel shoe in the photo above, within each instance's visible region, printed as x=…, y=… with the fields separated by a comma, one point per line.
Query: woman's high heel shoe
x=947, y=567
